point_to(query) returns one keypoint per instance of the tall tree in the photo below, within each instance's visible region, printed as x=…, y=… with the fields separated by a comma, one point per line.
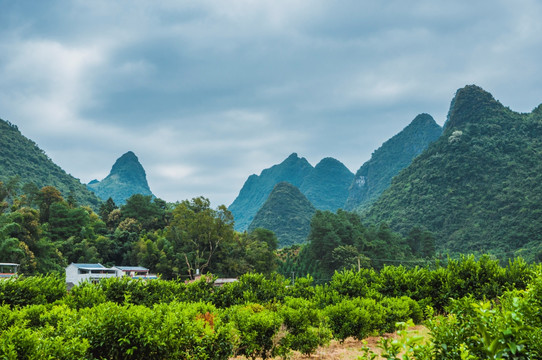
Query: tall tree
x=197, y=231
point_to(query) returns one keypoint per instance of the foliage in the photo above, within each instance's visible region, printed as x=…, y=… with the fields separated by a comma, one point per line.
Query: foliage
x=478, y=187
x=32, y=290
x=395, y=154
x=22, y=159
x=286, y=212
x=196, y=232
x=325, y=186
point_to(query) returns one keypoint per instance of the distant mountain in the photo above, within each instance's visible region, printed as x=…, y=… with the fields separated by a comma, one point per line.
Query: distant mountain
x=478, y=188
x=386, y=162
x=257, y=188
x=286, y=212
x=326, y=186
x=127, y=177
x=21, y=157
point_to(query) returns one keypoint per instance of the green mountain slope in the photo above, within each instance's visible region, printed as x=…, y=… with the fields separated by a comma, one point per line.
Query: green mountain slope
x=21, y=157
x=394, y=155
x=286, y=212
x=479, y=186
x=326, y=186
x=257, y=188
x=127, y=177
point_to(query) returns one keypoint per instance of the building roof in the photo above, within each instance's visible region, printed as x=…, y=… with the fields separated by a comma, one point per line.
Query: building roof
x=89, y=266
x=132, y=268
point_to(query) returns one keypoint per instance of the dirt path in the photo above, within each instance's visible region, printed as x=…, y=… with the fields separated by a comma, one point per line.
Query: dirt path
x=350, y=349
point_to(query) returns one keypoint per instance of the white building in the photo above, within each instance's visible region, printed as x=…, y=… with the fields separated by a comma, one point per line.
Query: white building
x=76, y=273
x=8, y=270
x=134, y=272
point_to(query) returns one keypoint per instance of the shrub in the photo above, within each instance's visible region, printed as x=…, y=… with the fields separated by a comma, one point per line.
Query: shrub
x=306, y=326
x=259, y=329
x=32, y=290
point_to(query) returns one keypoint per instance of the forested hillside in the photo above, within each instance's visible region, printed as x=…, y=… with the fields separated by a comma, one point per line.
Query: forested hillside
x=479, y=187
x=325, y=185
x=286, y=212
x=257, y=188
x=394, y=155
x=22, y=159
x=126, y=178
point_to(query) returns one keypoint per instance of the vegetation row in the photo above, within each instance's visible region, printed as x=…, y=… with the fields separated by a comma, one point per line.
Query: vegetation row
x=261, y=316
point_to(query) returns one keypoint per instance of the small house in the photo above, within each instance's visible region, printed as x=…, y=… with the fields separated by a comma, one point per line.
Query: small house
x=77, y=273
x=8, y=270
x=134, y=272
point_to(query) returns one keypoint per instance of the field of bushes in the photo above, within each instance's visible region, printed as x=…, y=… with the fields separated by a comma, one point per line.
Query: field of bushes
x=473, y=308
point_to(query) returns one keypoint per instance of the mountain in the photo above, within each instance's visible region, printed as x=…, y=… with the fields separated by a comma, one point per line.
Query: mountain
x=326, y=186
x=286, y=212
x=21, y=157
x=127, y=177
x=479, y=186
x=256, y=189
x=394, y=155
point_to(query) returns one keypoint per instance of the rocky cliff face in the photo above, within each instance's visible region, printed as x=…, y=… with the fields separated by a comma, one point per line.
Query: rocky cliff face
x=127, y=177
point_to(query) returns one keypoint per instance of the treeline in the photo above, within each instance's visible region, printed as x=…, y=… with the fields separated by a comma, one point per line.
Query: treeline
x=340, y=241
x=261, y=316
x=44, y=232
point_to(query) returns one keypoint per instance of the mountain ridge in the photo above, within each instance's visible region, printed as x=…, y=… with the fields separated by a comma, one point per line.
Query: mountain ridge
x=396, y=153
x=479, y=186
x=21, y=157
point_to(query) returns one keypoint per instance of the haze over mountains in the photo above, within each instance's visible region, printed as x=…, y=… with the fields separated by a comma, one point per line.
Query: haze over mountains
x=330, y=185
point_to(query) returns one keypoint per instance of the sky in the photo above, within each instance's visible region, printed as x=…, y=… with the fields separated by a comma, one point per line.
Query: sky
x=206, y=93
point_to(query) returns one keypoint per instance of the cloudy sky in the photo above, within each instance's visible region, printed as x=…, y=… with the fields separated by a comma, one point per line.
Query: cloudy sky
x=208, y=92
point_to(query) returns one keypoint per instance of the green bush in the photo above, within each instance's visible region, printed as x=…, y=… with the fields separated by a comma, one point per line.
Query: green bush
x=358, y=317
x=252, y=288
x=306, y=326
x=85, y=295
x=167, y=331
x=32, y=290
x=19, y=343
x=260, y=330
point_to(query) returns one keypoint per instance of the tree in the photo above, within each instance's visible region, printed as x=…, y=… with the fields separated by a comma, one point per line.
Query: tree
x=196, y=232
x=106, y=208
x=47, y=196
x=148, y=212
x=9, y=245
x=422, y=242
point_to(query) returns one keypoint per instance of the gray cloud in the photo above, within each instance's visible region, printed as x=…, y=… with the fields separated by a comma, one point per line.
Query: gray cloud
x=207, y=93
